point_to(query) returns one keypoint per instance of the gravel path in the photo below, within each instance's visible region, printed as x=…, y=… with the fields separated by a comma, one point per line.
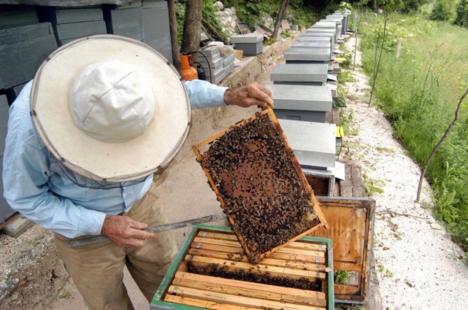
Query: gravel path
x=417, y=265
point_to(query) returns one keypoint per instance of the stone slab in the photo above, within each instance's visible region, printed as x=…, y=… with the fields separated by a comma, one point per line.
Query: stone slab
x=31, y=45
x=247, y=38
x=305, y=54
x=301, y=97
x=312, y=143
x=300, y=73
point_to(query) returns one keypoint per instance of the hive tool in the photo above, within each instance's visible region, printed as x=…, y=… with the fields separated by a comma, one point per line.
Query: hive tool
x=77, y=243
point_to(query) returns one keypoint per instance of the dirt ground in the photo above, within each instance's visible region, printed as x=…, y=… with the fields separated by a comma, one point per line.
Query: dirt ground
x=417, y=265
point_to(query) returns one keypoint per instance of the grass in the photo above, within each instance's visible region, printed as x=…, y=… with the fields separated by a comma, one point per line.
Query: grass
x=418, y=93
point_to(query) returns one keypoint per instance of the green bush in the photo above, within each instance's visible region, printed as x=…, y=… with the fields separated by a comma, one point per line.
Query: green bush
x=418, y=94
x=441, y=11
x=462, y=14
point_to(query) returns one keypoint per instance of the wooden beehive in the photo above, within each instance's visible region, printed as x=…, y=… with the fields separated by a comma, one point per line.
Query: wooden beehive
x=264, y=193
x=211, y=272
x=350, y=226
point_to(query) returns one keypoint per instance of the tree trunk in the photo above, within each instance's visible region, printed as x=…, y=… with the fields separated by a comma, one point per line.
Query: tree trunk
x=279, y=18
x=173, y=30
x=192, y=25
x=428, y=160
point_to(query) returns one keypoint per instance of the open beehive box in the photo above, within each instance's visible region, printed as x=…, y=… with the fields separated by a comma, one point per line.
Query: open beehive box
x=350, y=226
x=259, y=184
x=212, y=272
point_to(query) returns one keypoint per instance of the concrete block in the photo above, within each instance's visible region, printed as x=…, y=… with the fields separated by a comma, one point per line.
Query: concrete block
x=305, y=54
x=31, y=45
x=250, y=49
x=312, y=143
x=211, y=51
x=12, y=16
x=155, y=16
x=147, y=22
x=127, y=22
x=65, y=16
x=228, y=60
x=16, y=225
x=247, y=38
x=301, y=97
x=309, y=73
x=82, y=29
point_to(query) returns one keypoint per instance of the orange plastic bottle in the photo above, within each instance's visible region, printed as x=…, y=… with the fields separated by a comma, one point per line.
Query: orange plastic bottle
x=187, y=71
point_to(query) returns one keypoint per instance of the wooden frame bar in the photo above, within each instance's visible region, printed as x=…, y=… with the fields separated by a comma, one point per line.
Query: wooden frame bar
x=182, y=288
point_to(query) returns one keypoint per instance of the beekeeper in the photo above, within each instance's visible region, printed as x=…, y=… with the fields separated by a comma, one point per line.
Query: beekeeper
x=102, y=115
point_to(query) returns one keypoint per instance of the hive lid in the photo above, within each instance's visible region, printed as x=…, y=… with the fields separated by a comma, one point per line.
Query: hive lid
x=312, y=44
x=313, y=143
x=247, y=38
x=300, y=73
x=307, y=54
x=301, y=97
x=259, y=184
x=350, y=227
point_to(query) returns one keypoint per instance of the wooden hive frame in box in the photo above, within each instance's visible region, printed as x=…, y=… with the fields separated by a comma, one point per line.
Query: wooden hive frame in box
x=210, y=248
x=350, y=226
x=297, y=167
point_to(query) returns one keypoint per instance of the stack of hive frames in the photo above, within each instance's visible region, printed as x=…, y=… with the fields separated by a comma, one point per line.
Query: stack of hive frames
x=211, y=272
x=260, y=184
x=350, y=226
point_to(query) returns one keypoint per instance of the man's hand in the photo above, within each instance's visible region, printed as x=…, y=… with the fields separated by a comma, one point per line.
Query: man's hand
x=125, y=232
x=246, y=96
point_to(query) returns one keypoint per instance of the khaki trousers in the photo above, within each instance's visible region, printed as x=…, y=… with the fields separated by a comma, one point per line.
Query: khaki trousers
x=97, y=270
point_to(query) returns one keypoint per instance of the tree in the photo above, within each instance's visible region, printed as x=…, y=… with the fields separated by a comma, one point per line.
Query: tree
x=171, y=5
x=192, y=26
x=442, y=10
x=279, y=18
x=428, y=160
x=462, y=14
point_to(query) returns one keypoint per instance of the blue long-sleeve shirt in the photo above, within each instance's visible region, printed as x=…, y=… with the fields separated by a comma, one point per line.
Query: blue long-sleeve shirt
x=41, y=189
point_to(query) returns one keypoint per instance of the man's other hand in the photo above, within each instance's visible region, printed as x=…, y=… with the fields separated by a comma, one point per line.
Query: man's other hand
x=125, y=232
x=246, y=96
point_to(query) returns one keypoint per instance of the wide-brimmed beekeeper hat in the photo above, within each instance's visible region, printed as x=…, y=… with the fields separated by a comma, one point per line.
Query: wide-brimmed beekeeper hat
x=110, y=108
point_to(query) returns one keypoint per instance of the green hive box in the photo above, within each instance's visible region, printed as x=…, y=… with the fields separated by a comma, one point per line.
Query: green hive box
x=211, y=272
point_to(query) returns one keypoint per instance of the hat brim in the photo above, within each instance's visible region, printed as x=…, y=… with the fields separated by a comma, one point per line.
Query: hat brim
x=92, y=158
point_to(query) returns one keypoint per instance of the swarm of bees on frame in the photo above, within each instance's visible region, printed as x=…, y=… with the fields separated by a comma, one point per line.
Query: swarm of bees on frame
x=253, y=170
x=256, y=276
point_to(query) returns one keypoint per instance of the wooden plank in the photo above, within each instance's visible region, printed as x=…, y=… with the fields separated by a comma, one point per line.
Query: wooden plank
x=202, y=261
x=206, y=304
x=278, y=255
x=265, y=261
x=232, y=237
x=249, y=289
x=236, y=300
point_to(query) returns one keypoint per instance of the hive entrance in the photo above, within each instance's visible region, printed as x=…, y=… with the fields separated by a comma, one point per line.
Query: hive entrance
x=260, y=185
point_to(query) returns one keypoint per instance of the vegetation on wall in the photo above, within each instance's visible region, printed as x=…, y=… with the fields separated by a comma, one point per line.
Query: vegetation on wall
x=418, y=93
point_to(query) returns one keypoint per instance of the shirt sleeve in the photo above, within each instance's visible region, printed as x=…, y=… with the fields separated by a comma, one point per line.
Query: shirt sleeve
x=203, y=94
x=26, y=175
